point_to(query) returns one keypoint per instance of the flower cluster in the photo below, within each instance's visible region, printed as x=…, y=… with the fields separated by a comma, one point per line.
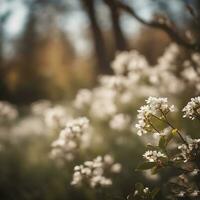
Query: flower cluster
x=117, y=83
x=40, y=106
x=83, y=99
x=111, y=104
x=70, y=139
x=133, y=79
x=7, y=111
x=55, y=117
x=191, y=71
x=126, y=62
x=192, y=109
x=153, y=156
x=191, y=151
x=182, y=157
x=155, y=107
x=120, y=122
x=93, y=172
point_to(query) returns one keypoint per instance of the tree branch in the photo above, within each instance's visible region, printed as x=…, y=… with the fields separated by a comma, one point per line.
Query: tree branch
x=166, y=27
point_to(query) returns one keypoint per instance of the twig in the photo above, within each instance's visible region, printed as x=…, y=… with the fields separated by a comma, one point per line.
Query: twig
x=161, y=26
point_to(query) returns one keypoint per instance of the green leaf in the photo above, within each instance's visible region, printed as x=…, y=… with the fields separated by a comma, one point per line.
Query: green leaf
x=162, y=143
x=169, y=138
x=146, y=165
x=174, y=131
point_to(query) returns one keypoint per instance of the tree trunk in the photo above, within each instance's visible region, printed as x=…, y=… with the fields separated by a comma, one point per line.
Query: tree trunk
x=3, y=88
x=100, y=48
x=120, y=40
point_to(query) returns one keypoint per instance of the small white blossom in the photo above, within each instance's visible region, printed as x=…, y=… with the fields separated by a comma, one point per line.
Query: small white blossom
x=119, y=83
x=40, y=107
x=7, y=111
x=128, y=61
x=55, y=117
x=83, y=99
x=116, y=168
x=120, y=122
x=195, y=193
x=146, y=189
x=70, y=139
x=195, y=172
x=154, y=106
x=190, y=151
x=192, y=109
x=181, y=194
x=153, y=156
x=93, y=172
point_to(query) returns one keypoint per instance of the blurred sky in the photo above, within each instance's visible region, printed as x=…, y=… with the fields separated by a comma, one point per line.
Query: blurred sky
x=75, y=21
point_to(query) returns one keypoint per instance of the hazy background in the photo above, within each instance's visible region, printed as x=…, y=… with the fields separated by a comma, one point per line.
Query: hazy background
x=50, y=48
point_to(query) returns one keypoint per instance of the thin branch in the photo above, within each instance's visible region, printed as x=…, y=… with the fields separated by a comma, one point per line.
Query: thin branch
x=169, y=124
x=166, y=27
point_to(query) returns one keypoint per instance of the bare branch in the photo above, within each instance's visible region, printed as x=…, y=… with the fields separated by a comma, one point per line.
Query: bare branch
x=166, y=27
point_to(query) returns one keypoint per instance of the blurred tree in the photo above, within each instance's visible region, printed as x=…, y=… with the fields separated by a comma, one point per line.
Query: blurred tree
x=162, y=23
x=44, y=53
x=3, y=89
x=120, y=40
x=100, y=48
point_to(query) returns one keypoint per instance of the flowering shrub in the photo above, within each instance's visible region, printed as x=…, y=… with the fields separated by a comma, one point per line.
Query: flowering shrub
x=185, y=155
x=81, y=136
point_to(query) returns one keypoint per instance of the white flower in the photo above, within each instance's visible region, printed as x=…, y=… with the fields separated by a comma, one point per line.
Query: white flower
x=195, y=172
x=83, y=99
x=146, y=189
x=153, y=156
x=70, y=139
x=181, y=194
x=190, y=152
x=167, y=60
x=116, y=168
x=154, y=107
x=192, y=109
x=129, y=62
x=195, y=193
x=142, y=116
x=93, y=172
x=55, y=117
x=117, y=83
x=7, y=111
x=159, y=104
x=120, y=122
x=103, y=107
x=39, y=107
